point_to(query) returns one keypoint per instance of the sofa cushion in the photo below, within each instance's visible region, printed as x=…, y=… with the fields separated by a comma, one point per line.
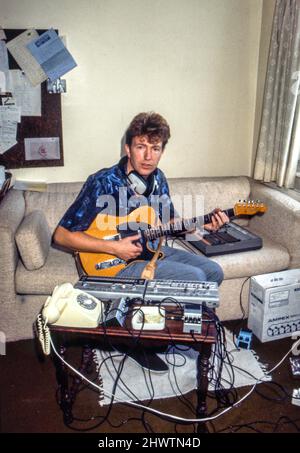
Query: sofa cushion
x=272, y=257
x=33, y=240
x=59, y=268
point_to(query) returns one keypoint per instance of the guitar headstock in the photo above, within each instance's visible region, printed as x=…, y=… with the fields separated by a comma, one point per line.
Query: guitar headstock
x=249, y=207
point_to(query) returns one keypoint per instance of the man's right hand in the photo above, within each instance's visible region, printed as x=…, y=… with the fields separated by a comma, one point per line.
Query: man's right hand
x=126, y=249
x=82, y=242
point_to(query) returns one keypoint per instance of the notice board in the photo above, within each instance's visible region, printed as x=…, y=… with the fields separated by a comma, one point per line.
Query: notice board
x=49, y=124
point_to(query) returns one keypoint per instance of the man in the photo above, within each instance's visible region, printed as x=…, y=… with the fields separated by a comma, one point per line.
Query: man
x=137, y=172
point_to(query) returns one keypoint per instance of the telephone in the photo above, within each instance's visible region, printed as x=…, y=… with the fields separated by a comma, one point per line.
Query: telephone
x=72, y=307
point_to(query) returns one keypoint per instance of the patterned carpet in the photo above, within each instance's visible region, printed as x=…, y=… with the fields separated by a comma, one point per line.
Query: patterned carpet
x=239, y=369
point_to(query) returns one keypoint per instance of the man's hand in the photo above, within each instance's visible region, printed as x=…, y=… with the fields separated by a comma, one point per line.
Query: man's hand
x=126, y=249
x=218, y=219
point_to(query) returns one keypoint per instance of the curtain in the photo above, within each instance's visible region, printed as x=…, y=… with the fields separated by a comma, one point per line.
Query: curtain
x=279, y=139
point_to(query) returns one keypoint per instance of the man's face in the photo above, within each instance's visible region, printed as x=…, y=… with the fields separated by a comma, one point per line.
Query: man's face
x=143, y=156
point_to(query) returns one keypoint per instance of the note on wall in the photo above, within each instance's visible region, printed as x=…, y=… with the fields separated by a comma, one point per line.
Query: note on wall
x=51, y=53
x=27, y=97
x=3, y=57
x=2, y=33
x=42, y=148
x=17, y=47
x=3, y=66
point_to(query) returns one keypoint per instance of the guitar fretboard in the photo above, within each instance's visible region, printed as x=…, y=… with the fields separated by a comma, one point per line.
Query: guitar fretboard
x=181, y=225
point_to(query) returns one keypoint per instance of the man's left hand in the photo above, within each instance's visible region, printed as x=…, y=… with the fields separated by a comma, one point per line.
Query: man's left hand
x=218, y=219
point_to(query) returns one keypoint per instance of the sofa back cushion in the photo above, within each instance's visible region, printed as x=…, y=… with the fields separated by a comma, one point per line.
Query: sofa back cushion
x=54, y=202
x=33, y=240
x=208, y=193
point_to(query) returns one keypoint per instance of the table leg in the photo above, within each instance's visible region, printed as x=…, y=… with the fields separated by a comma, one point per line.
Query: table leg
x=69, y=392
x=202, y=383
x=85, y=366
x=62, y=377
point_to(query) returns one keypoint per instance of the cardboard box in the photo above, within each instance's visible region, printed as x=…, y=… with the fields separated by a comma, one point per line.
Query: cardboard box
x=274, y=305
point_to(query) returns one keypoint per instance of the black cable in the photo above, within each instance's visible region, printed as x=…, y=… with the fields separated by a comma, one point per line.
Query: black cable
x=225, y=397
x=106, y=417
x=239, y=321
x=238, y=427
x=218, y=353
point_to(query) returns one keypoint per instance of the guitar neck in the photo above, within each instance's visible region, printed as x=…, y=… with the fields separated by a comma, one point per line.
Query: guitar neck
x=180, y=225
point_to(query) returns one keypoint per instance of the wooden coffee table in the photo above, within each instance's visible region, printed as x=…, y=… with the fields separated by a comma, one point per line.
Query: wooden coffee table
x=88, y=339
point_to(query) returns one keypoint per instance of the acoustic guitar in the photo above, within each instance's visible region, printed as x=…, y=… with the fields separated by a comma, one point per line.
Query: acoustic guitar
x=143, y=221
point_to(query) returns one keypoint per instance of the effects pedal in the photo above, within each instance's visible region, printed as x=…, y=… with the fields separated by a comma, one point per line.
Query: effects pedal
x=192, y=318
x=115, y=312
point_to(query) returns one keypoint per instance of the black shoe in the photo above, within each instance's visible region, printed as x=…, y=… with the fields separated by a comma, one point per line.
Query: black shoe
x=146, y=360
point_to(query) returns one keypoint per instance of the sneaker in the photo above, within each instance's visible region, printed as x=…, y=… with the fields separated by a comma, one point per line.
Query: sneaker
x=146, y=360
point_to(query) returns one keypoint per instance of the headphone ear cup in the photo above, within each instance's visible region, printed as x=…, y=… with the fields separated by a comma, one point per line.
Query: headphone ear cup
x=141, y=185
x=137, y=182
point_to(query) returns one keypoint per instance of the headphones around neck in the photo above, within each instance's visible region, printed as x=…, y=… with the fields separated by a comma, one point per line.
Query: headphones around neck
x=140, y=185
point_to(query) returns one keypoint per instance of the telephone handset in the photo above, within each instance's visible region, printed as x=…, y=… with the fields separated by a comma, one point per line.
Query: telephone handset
x=72, y=307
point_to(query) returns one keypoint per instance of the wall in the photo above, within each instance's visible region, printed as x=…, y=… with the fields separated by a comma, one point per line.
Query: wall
x=194, y=61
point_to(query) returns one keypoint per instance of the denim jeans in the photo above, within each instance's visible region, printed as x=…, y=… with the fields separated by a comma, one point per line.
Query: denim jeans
x=178, y=265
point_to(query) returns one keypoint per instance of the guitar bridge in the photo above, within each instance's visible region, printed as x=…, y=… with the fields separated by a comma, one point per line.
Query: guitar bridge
x=109, y=263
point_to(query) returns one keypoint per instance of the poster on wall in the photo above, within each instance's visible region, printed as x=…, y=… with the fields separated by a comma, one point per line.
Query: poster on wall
x=41, y=148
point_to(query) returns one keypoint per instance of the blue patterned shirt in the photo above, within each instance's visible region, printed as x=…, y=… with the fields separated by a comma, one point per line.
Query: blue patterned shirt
x=112, y=181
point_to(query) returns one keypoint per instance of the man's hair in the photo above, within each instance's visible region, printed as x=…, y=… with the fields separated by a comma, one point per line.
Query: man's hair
x=151, y=124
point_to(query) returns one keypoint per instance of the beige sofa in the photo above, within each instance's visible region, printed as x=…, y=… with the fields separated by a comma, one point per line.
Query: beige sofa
x=26, y=283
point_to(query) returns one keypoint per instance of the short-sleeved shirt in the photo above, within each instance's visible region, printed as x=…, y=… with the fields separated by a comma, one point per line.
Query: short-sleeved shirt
x=109, y=189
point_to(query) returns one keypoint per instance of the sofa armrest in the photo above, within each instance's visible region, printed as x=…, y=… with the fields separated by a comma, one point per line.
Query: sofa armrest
x=12, y=210
x=282, y=220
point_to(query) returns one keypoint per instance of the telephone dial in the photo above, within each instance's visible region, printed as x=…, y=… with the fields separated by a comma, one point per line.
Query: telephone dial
x=68, y=307
x=72, y=307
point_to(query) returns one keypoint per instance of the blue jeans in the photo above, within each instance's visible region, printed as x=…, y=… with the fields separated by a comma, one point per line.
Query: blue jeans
x=179, y=265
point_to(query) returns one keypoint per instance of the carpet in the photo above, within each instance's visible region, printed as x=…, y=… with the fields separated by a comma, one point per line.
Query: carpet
x=137, y=384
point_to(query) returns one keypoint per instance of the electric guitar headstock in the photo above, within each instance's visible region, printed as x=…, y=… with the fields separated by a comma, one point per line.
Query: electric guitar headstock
x=249, y=207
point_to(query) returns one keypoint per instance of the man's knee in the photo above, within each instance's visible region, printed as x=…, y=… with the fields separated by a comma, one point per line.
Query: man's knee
x=181, y=272
x=217, y=274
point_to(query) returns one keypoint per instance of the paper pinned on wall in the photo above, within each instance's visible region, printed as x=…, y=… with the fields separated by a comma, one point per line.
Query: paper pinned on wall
x=2, y=82
x=2, y=33
x=27, y=97
x=10, y=116
x=8, y=100
x=42, y=148
x=3, y=57
x=17, y=47
x=50, y=52
x=8, y=133
x=3, y=66
x=10, y=113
